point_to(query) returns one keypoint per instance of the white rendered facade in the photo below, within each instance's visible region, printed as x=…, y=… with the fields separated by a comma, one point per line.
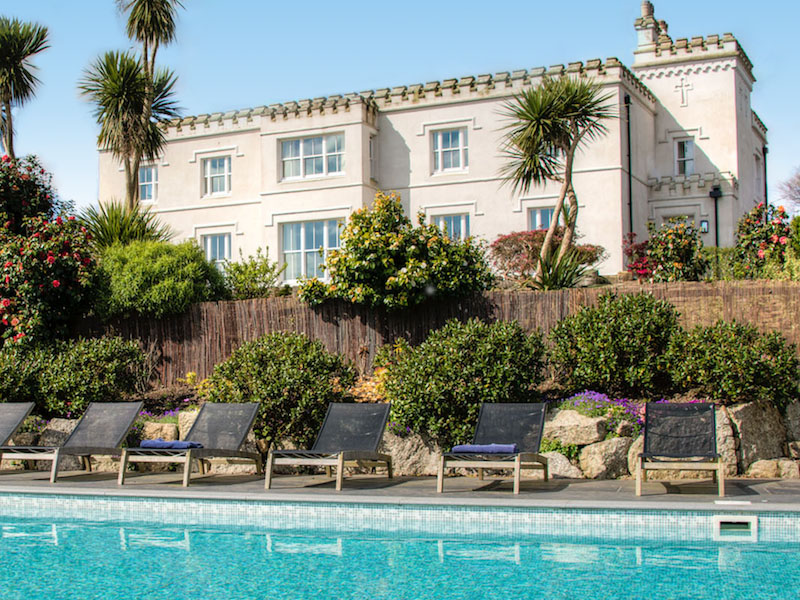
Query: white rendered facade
x=284, y=175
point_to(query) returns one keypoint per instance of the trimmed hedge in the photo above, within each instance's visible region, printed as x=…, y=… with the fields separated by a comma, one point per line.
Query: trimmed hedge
x=156, y=279
x=293, y=379
x=616, y=347
x=437, y=387
x=734, y=362
x=64, y=377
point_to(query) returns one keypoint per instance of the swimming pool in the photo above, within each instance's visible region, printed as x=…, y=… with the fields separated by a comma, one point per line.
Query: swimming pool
x=107, y=547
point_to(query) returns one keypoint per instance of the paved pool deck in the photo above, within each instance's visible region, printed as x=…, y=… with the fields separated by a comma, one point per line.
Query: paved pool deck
x=741, y=494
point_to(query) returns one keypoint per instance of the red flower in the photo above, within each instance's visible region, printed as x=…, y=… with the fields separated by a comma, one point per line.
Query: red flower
x=56, y=283
x=14, y=322
x=6, y=302
x=5, y=158
x=51, y=259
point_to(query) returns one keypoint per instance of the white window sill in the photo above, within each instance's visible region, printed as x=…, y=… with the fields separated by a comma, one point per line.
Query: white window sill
x=311, y=178
x=450, y=172
x=218, y=195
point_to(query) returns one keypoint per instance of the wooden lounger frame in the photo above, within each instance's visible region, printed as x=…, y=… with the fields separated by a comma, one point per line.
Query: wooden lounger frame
x=184, y=457
x=339, y=460
x=517, y=462
x=715, y=465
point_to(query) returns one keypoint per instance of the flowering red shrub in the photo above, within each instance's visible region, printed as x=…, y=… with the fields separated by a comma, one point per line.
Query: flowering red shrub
x=45, y=275
x=25, y=191
x=636, y=252
x=762, y=235
x=516, y=255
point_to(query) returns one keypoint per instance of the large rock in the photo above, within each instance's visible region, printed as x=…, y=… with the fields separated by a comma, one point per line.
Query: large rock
x=762, y=434
x=792, y=421
x=55, y=434
x=606, y=460
x=186, y=419
x=411, y=454
x=776, y=468
x=726, y=443
x=571, y=427
x=559, y=467
x=166, y=431
x=27, y=438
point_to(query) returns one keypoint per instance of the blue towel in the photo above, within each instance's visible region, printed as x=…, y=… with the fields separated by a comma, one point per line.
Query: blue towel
x=176, y=445
x=485, y=449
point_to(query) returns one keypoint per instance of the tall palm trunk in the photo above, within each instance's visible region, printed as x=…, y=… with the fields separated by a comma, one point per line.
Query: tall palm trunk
x=131, y=184
x=569, y=230
x=566, y=184
x=8, y=132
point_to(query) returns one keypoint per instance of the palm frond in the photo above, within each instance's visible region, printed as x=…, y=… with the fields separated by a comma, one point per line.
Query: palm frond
x=112, y=223
x=544, y=123
x=19, y=42
x=559, y=274
x=151, y=21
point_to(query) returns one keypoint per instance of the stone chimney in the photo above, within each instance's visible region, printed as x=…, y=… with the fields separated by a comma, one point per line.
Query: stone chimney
x=648, y=29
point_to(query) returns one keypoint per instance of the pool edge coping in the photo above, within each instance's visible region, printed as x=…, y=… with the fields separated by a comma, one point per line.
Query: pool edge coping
x=487, y=503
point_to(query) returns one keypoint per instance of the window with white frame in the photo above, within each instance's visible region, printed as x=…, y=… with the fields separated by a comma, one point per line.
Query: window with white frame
x=313, y=156
x=148, y=183
x=450, y=150
x=684, y=157
x=217, y=247
x=373, y=159
x=540, y=218
x=759, y=168
x=456, y=226
x=306, y=246
x=216, y=175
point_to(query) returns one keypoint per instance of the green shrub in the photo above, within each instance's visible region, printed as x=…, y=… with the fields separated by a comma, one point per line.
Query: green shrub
x=724, y=264
x=734, y=362
x=156, y=279
x=616, y=347
x=386, y=262
x=76, y=372
x=293, y=379
x=571, y=451
x=436, y=388
x=256, y=277
x=674, y=252
x=63, y=377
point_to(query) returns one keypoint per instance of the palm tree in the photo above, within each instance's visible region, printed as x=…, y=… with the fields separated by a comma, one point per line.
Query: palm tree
x=117, y=85
x=18, y=43
x=548, y=125
x=151, y=23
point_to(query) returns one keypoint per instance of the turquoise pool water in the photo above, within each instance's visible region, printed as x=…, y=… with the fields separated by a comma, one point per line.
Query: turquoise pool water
x=50, y=559
x=62, y=558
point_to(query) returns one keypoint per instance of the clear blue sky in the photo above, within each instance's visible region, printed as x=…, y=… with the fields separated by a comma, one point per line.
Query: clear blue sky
x=234, y=54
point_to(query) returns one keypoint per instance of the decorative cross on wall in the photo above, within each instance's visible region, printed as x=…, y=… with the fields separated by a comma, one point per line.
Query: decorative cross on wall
x=684, y=87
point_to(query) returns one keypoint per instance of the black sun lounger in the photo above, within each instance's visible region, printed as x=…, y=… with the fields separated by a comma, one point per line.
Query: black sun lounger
x=101, y=431
x=681, y=437
x=503, y=423
x=350, y=436
x=221, y=428
x=12, y=415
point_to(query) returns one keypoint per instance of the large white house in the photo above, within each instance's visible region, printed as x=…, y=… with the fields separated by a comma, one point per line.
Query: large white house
x=686, y=143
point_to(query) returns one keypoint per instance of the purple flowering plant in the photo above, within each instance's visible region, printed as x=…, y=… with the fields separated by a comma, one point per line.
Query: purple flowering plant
x=616, y=410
